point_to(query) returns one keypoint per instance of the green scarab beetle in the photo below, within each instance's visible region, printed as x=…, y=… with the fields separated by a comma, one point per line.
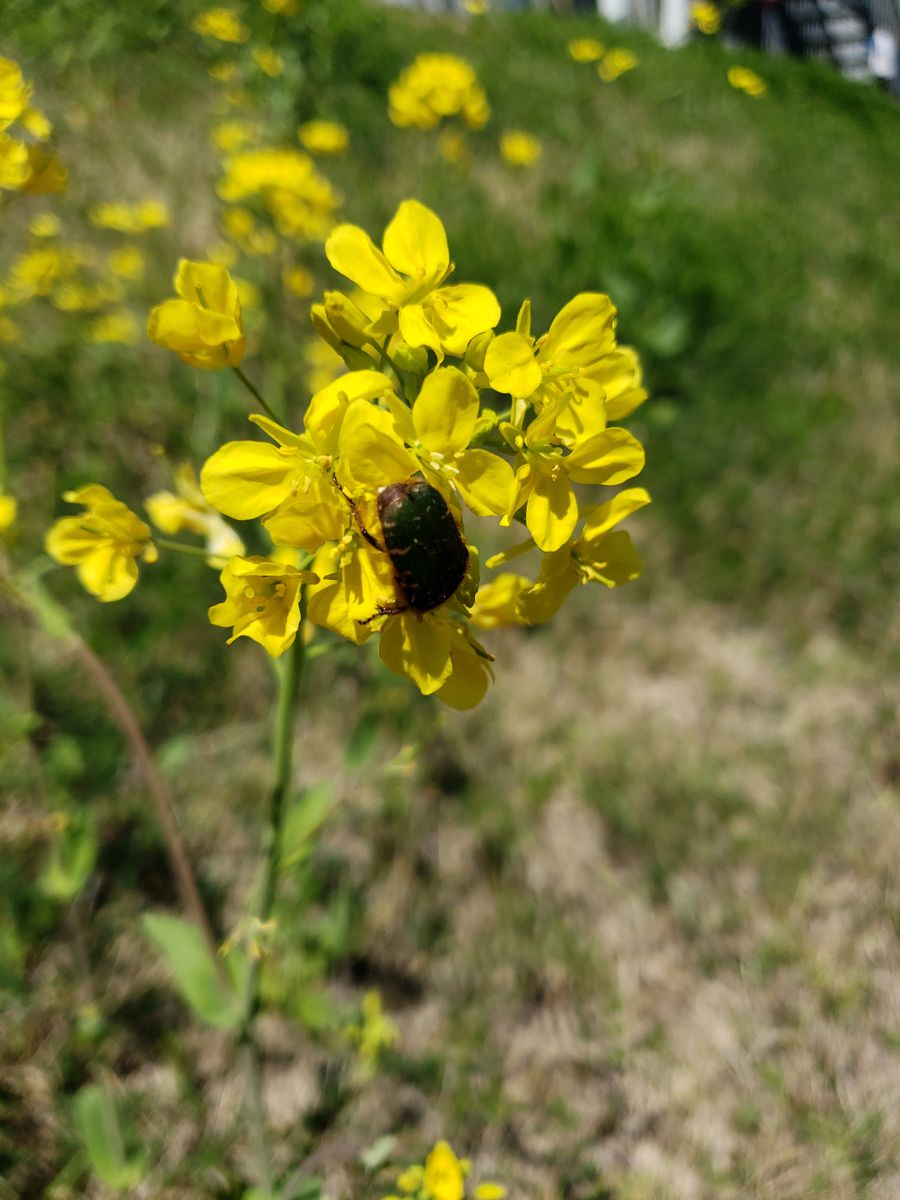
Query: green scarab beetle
x=423, y=542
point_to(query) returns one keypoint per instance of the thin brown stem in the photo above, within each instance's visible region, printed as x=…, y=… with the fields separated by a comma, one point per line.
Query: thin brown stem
x=122, y=714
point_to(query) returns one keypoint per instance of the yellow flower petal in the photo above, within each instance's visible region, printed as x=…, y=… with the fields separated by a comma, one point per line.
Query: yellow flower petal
x=460, y=313
x=415, y=242
x=600, y=520
x=511, y=367
x=445, y=411
x=552, y=511
x=468, y=682
x=417, y=647
x=352, y=253
x=371, y=452
x=246, y=479
x=581, y=332
x=485, y=481
x=609, y=457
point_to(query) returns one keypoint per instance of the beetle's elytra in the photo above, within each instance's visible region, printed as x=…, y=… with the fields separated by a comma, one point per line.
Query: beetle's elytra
x=423, y=542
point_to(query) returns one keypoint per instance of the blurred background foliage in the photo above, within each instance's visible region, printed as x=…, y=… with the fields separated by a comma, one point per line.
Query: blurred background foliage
x=750, y=246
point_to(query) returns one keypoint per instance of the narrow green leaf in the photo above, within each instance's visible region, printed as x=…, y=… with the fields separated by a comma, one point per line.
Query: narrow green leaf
x=194, y=970
x=306, y=813
x=97, y=1124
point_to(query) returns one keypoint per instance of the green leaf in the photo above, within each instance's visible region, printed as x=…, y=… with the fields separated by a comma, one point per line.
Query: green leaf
x=303, y=818
x=194, y=971
x=378, y=1153
x=70, y=858
x=97, y=1124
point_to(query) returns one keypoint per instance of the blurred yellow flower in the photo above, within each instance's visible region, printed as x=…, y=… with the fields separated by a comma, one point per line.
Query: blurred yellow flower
x=46, y=173
x=444, y=1179
x=520, y=149
x=230, y=136
x=436, y=86
x=8, y=509
x=223, y=24
x=44, y=225
x=585, y=49
x=127, y=262
x=269, y=62
x=116, y=326
x=747, y=81
x=203, y=326
x=301, y=200
x=14, y=92
x=262, y=602
x=452, y=146
x=298, y=280
x=476, y=8
x=37, y=272
x=706, y=17
x=104, y=542
x=324, y=137
x=186, y=508
x=373, y=1033
x=223, y=72
x=14, y=164
x=129, y=218
x=36, y=123
x=286, y=8
x=615, y=63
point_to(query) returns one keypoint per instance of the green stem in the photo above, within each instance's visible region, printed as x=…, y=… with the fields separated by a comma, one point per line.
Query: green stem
x=182, y=547
x=256, y=394
x=289, y=673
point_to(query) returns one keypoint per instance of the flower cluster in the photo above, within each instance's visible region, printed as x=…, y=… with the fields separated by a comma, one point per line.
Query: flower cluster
x=742, y=79
x=366, y=503
x=300, y=200
x=25, y=164
x=442, y=1176
x=706, y=17
x=435, y=87
x=610, y=63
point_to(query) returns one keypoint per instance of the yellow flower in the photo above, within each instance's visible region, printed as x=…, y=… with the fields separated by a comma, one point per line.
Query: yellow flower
x=127, y=262
x=300, y=199
x=297, y=280
x=14, y=92
x=230, y=136
x=436, y=86
x=615, y=63
x=186, y=508
x=223, y=72
x=490, y=1191
x=39, y=271
x=747, y=81
x=547, y=466
x=407, y=277
x=44, y=225
x=290, y=483
x=374, y=1033
x=36, y=124
x=224, y=24
x=452, y=146
x=269, y=62
x=574, y=356
x=46, y=173
x=8, y=510
x=324, y=137
x=240, y=225
x=601, y=554
x=203, y=326
x=706, y=17
x=262, y=602
x=520, y=149
x=476, y=8
x=444, y=1178
x=104, y=542
x=410, y=1180
x=439, y=656
x=15, y=167
x=116, y=326
x=129, y=218
x=378, y=448
x=585, y=49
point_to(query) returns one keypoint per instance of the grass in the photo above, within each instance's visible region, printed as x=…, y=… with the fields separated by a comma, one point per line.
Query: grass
x=637, y=918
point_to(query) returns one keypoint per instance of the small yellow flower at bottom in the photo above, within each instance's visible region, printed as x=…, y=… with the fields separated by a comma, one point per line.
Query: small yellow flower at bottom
x=104, y=542
x=747, y=81
x=262, y=602
x=520, y=149
x=324, y=137
x=8, y=509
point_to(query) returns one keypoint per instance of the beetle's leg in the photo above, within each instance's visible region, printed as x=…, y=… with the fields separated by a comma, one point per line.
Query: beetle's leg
x=385, y=610
x=359, y=521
